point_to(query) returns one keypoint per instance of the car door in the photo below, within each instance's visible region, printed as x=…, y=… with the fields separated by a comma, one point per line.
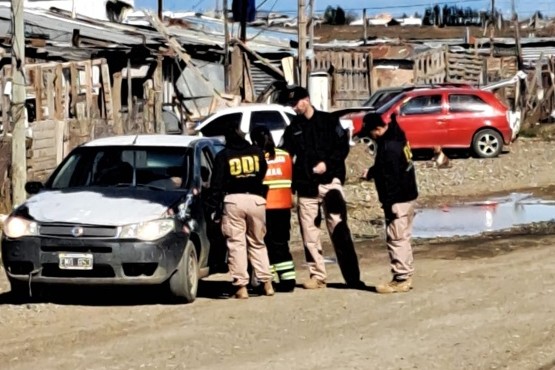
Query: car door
x=215, y=255
x=422, y=118
x=274, y=120
x=466, y=113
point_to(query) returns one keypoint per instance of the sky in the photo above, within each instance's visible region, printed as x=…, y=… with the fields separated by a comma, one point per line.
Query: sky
x=524, y=8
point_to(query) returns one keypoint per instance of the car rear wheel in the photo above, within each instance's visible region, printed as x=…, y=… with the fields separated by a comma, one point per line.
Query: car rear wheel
x=184, y=282
x=370, y=144
x=487, y=143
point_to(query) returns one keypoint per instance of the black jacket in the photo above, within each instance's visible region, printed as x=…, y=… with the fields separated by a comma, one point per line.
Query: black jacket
x=239, y=168
x=393, y=170
x=310, y=141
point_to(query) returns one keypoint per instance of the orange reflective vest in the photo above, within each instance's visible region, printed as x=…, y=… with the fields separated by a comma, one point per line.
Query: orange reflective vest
x=278, y=178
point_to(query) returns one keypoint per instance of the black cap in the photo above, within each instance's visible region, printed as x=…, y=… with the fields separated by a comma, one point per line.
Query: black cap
x=292, y=94
x=371, y=121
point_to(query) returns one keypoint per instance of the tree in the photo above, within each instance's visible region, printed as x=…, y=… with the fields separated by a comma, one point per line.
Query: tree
x=329, y=15
x=340, y=16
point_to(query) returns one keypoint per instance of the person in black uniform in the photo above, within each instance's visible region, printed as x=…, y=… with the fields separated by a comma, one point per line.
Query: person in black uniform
x=236, y=183
x=319, y=145
x=395, y=179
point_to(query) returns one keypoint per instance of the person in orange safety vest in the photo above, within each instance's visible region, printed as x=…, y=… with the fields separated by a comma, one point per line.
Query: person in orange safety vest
x=279, y=201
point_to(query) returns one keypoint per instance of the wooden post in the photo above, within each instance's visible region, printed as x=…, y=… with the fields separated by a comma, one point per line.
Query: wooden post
x=107, y=87
x=301, y=32
x=88, y=88
x=158, y=78
x=116, y=103
x=19, y=152
x=50, y=94
x=38, y=92
x=74, y=85
x=59, y=97
x=129, y=96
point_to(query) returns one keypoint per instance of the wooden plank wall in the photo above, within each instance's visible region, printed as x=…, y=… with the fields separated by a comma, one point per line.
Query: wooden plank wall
x=350, y=82
x=71, y=107
x=430, y=67
x=465, y=67
x=500, y=68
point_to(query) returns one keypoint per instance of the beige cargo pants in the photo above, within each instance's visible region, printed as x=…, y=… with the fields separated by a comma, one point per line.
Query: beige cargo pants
x=244, y=227
x=398, y=238
x=308, y=209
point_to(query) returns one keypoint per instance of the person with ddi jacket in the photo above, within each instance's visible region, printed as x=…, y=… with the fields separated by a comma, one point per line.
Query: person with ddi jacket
x=278, y=209
x=236, y=182
x=395, y=179
x=319, y=145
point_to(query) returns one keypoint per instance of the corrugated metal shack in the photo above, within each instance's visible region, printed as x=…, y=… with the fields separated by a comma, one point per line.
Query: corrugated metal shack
x=87, y=78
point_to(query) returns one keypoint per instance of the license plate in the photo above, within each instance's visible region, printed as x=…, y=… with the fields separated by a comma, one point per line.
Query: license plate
x=75, y=261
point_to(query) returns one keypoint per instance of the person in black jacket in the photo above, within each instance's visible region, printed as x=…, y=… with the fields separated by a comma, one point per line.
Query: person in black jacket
x=319, y=145
x=239, y=170
x=394, y=176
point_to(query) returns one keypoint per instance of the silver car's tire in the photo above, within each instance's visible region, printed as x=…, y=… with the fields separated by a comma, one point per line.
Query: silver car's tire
x=487, y=143
x=184, y=282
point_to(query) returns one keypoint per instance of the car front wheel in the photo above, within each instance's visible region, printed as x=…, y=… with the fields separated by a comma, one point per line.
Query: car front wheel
x=184, y=282
x=487, y=143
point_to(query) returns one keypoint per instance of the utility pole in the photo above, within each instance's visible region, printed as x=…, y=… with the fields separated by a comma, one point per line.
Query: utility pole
x=301, y=32
x=493, y=13
x=19, y=157
x=513, y=10
x=244, y=8
x=364, y=26
x=160, y=10
x=311, y=34
x=226, y=48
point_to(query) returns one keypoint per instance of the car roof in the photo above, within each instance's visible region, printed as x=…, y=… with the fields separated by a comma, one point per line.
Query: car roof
x=251, y=107
x=149, y=140
x=254, y=107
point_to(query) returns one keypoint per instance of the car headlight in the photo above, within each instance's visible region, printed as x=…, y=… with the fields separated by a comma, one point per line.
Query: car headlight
x=17, y=227
x=148, y=231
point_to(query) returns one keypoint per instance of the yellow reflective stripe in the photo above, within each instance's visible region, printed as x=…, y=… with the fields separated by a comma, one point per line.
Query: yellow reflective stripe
x=284, y=266
x=277, y=182
x=288, y=275
x=281, y=151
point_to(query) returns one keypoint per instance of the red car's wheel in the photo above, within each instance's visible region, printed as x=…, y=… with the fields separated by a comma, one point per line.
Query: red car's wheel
x=487, y=143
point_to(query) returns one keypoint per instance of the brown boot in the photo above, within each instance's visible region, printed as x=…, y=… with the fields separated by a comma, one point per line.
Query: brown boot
x=395, y=286
x=268, y=288
x=314, y=283
x=242, y=293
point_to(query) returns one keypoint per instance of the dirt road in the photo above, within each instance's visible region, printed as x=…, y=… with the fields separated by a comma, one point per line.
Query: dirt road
x=484, y=303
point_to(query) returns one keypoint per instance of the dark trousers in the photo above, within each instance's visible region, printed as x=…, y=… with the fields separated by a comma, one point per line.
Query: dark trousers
x=278, y=232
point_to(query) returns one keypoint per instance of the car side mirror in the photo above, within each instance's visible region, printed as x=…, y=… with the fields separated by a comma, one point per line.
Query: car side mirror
x=33, y=187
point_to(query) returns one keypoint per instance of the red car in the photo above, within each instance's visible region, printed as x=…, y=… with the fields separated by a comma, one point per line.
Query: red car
x=453, y=117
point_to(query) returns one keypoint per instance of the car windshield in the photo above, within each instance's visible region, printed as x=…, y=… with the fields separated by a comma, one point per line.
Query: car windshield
x=379, y=98
x=394, y=99
x=163, y=168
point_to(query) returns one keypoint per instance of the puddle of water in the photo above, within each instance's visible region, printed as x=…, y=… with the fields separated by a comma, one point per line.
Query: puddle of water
x=475, y=218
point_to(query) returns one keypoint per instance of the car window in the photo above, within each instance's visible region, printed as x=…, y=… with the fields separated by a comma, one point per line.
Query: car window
x=218, y=126
x=426, y=104
x=272, y=119
x=110, y=166
x=206, y=164
x=466, y=103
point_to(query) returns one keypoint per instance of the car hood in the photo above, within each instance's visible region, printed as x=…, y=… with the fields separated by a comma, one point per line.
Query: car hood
x=100, y=206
